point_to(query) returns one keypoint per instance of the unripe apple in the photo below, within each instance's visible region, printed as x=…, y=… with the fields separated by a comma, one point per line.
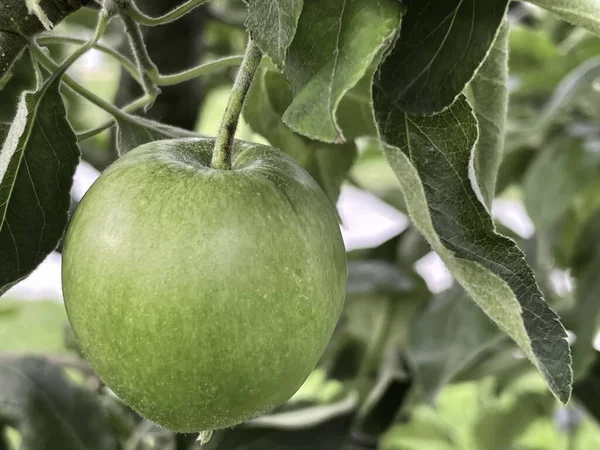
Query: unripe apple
x=203, y=297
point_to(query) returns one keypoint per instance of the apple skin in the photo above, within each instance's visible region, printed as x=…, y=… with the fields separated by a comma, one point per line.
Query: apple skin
x=203, y=297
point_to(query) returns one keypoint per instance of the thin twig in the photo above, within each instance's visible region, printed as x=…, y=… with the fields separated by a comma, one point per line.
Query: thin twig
x=141, y=18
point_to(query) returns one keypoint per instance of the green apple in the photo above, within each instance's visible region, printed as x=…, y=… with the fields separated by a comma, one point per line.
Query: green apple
x=203, y=297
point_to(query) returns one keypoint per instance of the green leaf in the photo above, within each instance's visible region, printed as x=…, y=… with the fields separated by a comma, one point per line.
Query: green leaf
x=16, y=18
x=12, y=47
x=576, y=238
x=332, y=434
x=16, y=25
x=568, y=91
x=555, y=177
x=373, y=174
x=318, y=389
x=335, y=45
x=5, y=440
x=378, y=319
x=272, y=24
x=538, y=64
x=138, y=131
x=441, y=45
x=149, y=436
x=530, y=48
x=50, y=411
x=4, y=129
x=329, y=167
x=381, y=303
x=587, y=390
x=32, y=326
x=584, y=13
x=355, y=114
x=306, y=417
x=383, y=404
x=425, y=430
x=513, y=167
x=446, y=337
x=580, y=234
x=20, y=78
x=498, y=428
x=583, y=320
x=368, y=277
x=269, y=97
x=498, y=361
x=431, y=157
x=490, y=95
x=37, y=164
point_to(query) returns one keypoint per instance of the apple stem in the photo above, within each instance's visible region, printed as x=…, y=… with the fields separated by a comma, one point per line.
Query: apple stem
x=222, y=153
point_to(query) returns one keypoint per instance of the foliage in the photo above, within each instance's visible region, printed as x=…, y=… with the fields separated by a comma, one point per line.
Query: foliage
x=465, y=102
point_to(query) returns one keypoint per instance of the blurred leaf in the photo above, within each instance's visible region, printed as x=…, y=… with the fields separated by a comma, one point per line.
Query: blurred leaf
x=566, y=93
x=37, y=164
x=272, y=24
x=535, y=81
x=577, y=235
x=490, y=95
x=587, y=243
x=367, y=277
x=4, y=442
x=317, y=390
x=569, y=88
x=329, y=167
x=331, y=435
x=446, y=337
x=431, y=157
x=499, y=427
x=327, y=163
x=381, y=407
x=529, y=48
x=412, y=247
x=513, y=167
x=584, y=13
x=372, y=173
x=383, y=314
x=503, y=360
x=587, y=389
x=139, y=131
x=306, y=417
x=424, y=430
x=50, y=411
x=441, y=45
x=187, y=441
x=385, y=252
x=583, y=257
x=555, y=177
x=583, y=320
x=343, y=360
x=32, y=326
x=335, y=45
x=148, y=436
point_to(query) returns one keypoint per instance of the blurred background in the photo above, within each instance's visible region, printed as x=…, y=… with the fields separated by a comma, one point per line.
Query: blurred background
x=414, y=364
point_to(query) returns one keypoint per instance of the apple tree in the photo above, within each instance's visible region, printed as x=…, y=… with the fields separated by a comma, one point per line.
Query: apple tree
x=205, y=279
